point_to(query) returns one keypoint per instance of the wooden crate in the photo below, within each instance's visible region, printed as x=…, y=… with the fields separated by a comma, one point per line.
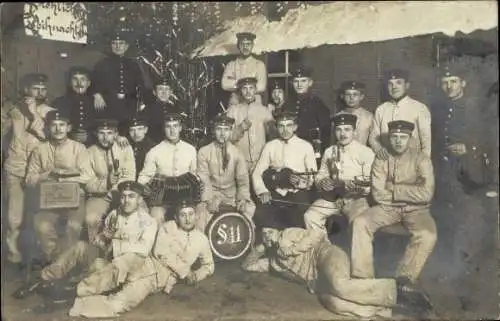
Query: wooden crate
x=55, y=195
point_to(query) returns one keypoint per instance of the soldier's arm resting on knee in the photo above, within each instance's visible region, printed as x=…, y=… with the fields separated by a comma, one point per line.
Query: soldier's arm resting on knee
x=420, y=192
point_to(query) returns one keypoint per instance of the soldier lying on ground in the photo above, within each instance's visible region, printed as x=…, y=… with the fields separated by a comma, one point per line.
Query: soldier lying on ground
x=307, y=256
x=128, y=234
x=178, y=246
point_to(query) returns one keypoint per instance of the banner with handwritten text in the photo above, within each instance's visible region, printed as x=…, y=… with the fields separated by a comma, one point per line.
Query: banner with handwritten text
x=56, y=21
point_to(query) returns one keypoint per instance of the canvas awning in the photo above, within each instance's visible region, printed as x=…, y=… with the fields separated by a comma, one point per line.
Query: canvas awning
x=346, y=22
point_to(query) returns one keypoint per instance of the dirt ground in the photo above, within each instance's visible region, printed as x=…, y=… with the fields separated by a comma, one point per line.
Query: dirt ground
x=231, y=294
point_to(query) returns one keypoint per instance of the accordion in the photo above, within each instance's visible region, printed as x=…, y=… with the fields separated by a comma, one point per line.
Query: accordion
x=169, y=190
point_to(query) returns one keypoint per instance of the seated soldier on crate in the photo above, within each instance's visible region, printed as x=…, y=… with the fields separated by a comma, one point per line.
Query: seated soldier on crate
x=172, y=158
x=284, y=175
x=127, y=235
x=141, y=143
x=223, y=170
x=308, y=257
x=65, y=161
x=343, y=178
x=111, y=165
x=402, y=186
x=179, y=244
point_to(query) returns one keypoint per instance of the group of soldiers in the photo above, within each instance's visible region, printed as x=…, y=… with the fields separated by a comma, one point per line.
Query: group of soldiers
x=283, y=166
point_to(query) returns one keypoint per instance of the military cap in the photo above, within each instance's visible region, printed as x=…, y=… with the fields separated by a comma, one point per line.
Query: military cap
x=185, y=203
x=34, y=79
x=301, y=72
x=163, y=81
x=223, y=120
x=105, y=123
x=401, y=126
x=245, y=35
x=345, y=119
x=58, y=114
x=352, y=85
x=396, y=74
x=79, y=70
x=277, y=85
x=286, y=115
x=137, y=121
x=451, y=71
x=131, y=186
x=121, y=34
x=173, y=117
x=245, y=81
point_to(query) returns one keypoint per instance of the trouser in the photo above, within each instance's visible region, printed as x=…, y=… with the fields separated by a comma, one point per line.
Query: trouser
x=205, y=216
x=46, y=228
x=96, y=210
x=81, y=254
x=290, y=215
x=15, y=212
x=150, y=278
x=316, y=215
x=418, y=222
x=343, y=295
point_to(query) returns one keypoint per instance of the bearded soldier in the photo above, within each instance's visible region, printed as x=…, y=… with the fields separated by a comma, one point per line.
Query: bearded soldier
x=80, y=104
x=345, y=167
x=51, y=161
x=178, y=245
x=24, y=123
x=223, y=171
x=111, y=165
x=307, y=257
x=403, y=187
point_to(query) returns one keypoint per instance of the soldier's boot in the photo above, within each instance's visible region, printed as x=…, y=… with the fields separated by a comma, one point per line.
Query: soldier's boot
x=411, y=296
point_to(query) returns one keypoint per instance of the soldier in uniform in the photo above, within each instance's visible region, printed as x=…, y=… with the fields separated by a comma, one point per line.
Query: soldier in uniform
x=342, y=166
x=286, y=152
x=466, y=187
x=22, y=130
x=352, y=94
x=400, y=107
x=253, y=122
x=245, y=66
x=178, y=246
x=308, y=258
x=403, y=187
x=139, y=140
x=156, y=110
x=128, y=234
x=111, y=165
x=171, y=158
x=80, y=104
x=48, y=162
x=314, y=116
x=117, y=81
x=223, y=171
x=277, y=98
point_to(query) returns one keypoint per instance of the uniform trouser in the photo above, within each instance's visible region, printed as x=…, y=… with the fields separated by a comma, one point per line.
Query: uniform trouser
x=15, y=212
x=316, y=215
x=150, y=278
x=96, y=209
x=343, y=295
x=46, y=224
x=205, y=216
x=418, y=222
x=290, y=215
x=81, y=254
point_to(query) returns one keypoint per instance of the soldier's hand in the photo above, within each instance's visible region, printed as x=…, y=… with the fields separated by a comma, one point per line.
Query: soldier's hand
x=326, y=184
x=122, y=142
x=242, y=206
x=383, y=154
x=213, y=205
x=265, y=197
x=31, y=102
x=457, y=149
x=99, y=102
x=192, y=279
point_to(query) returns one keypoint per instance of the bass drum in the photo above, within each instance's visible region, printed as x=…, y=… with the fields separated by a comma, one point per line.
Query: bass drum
x=230, y=235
